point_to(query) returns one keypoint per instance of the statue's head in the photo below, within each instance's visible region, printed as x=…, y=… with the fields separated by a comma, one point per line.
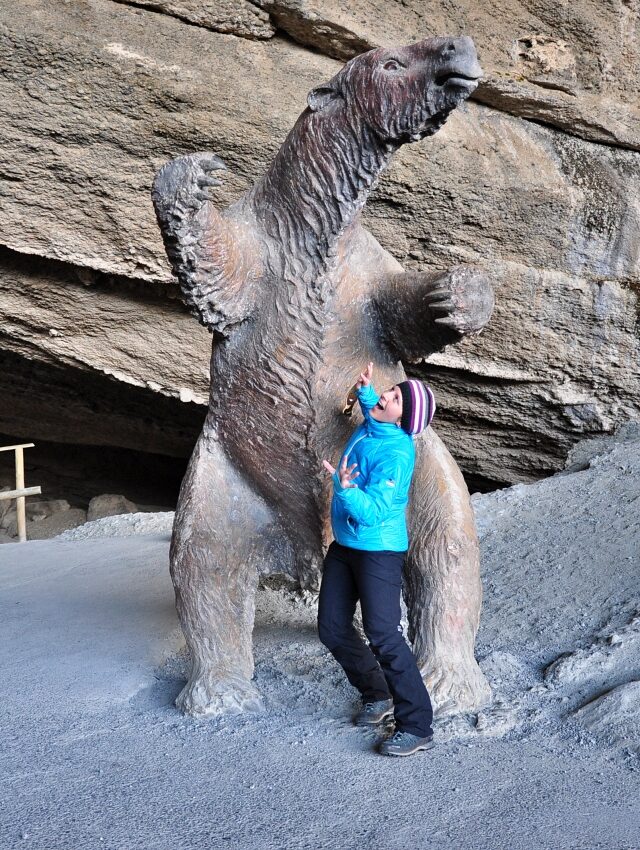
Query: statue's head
x=403, y=94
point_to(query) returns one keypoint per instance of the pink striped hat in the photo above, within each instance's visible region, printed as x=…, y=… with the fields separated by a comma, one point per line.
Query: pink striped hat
x=418, y=406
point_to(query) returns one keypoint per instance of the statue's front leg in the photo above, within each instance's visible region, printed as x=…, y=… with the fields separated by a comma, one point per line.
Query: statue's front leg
x=421, y=312
x=221, y=531
x=442, y=580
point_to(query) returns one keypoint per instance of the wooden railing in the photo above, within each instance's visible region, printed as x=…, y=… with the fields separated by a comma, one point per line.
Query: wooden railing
x=21, y=491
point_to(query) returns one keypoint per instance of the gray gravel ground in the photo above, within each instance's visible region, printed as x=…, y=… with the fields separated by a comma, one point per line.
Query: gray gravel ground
x=95, y=756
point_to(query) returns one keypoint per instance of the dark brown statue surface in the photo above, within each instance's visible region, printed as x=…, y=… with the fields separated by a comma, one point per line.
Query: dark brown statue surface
x=299, y=296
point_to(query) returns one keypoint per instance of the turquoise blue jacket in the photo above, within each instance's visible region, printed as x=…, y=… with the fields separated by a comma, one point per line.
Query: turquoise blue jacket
x=372, y=515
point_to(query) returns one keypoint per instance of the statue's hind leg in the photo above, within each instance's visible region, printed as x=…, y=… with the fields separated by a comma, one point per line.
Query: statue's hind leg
x=443, y=588
x=221, y=535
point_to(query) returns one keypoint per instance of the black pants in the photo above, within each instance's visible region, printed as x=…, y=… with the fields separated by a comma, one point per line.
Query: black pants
x=387, y=669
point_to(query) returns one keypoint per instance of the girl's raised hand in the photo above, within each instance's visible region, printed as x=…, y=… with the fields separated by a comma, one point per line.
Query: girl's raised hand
x=345, y=473
x=365, y=377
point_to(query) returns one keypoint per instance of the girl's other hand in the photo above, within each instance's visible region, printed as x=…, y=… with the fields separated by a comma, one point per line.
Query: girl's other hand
x=346, y=473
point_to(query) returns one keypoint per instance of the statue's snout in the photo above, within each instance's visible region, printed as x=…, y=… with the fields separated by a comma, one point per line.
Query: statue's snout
x=456, y=62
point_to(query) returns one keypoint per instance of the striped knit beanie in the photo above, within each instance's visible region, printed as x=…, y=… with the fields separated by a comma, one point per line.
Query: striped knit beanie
x=418, y=406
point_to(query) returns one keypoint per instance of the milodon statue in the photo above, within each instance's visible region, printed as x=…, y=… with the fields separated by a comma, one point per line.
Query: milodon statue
x=298, y=294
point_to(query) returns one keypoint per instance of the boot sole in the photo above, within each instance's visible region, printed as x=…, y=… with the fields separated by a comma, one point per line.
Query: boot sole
x=428, y=746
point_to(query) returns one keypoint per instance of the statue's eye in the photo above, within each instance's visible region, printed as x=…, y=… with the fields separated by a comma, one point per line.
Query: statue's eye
x=392, y=65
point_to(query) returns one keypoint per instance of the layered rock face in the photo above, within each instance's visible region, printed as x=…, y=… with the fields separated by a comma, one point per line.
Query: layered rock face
x=536, y=180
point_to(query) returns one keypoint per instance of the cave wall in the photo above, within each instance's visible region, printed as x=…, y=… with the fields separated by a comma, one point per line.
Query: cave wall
x=536, y=179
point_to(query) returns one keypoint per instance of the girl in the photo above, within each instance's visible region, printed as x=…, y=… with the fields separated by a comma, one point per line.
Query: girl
x=366, y=559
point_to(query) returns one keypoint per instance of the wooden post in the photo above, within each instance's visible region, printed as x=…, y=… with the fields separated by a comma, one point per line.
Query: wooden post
x=21, y=491
x=20, y=501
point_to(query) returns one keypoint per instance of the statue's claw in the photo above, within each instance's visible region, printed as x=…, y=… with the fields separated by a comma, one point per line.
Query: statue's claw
x=465, y=297
x=178, y=183
x=211, y=162
x=206, y=182
x=447, y=322
x=447, y=306
x=437, y=293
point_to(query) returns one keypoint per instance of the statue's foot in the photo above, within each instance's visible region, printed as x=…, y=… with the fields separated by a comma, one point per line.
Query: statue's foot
x=455, y=685
x=208, y=694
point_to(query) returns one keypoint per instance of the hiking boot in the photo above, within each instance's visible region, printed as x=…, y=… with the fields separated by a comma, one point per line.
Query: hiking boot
x=374, y=712
x=405, y=744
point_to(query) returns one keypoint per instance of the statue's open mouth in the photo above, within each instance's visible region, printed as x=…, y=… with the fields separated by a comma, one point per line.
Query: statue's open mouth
x=458, y=78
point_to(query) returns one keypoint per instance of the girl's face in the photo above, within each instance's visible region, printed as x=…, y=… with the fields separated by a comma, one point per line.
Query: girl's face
x=389, y=406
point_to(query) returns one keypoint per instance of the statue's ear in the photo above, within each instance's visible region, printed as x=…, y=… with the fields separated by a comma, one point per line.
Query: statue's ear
x=321, y=97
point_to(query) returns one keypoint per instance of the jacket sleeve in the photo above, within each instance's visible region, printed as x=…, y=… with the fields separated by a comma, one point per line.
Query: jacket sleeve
x=367, y=397
x=372, y=505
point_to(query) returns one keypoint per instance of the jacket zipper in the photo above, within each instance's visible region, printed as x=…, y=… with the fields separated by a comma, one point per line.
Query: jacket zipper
x=354, y=445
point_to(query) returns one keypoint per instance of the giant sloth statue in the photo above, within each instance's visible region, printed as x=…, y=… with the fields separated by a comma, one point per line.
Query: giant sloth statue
x=298, y=296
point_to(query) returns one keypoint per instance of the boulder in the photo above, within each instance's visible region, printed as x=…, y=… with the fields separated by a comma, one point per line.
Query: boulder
x=55, y=524
x=9, y=521
x=589, y=452
x=109, y=505
x=38, y=510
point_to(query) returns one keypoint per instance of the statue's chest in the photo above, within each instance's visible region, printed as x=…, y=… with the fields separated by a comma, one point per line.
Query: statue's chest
x=302, y=325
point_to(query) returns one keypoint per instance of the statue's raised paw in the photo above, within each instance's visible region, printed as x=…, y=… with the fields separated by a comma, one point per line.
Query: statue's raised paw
x=184, y=182
x=461, y=299
x=212, y=695
x=422, y=312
